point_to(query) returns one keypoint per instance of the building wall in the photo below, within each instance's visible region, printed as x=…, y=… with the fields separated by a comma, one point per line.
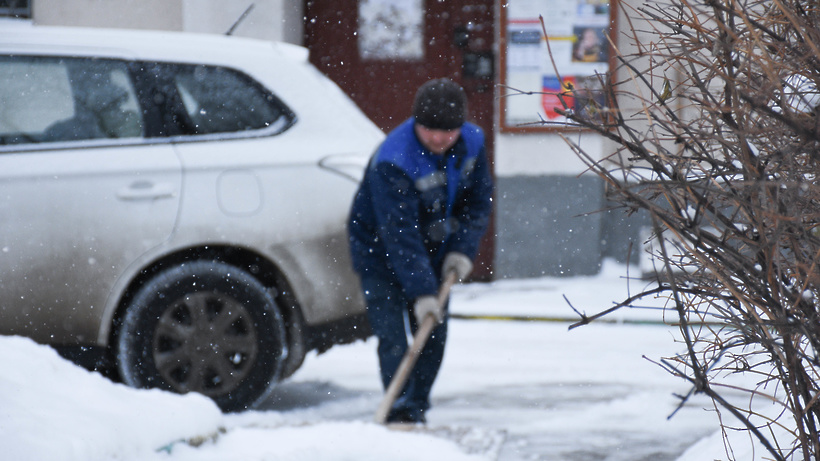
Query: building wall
x=544, y=224
x=552, y=215
x=133, y=14
x=279, y=20
x=542, y=228
x=268, y=19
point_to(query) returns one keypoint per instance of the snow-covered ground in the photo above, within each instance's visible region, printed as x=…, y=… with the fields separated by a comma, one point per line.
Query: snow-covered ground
x=508, y=390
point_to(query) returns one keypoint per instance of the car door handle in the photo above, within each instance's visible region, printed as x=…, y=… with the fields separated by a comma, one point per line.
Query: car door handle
x=146, y=190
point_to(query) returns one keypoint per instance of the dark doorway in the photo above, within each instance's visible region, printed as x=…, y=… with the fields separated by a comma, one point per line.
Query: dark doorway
x=380, y=52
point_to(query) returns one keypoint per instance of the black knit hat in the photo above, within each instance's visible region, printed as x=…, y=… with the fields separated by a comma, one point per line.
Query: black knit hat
x=440, y=104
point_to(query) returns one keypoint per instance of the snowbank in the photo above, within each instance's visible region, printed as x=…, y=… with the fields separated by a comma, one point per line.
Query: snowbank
x=53, y=410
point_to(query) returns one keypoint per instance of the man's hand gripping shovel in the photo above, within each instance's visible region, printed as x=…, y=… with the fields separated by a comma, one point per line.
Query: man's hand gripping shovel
x=412, y=354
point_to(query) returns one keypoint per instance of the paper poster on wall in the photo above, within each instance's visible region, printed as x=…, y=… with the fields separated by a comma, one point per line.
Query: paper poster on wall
x=577, y=32
x=391, y=29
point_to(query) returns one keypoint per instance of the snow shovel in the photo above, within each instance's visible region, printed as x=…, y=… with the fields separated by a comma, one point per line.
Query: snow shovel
x=412, y=354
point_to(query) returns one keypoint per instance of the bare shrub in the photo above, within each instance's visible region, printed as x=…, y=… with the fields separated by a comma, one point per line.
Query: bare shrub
x=716, y=136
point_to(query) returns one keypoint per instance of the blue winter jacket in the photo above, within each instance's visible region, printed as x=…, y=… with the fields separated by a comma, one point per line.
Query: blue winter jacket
x=414, y=206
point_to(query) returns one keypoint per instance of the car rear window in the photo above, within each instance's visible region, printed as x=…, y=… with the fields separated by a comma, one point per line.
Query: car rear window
x=46, y=99
x=221, y=100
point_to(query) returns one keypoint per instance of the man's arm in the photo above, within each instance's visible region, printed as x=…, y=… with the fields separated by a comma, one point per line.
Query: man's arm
x=396, y=207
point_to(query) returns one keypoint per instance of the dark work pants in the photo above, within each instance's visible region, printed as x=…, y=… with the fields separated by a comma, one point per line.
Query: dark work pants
x=388, y=310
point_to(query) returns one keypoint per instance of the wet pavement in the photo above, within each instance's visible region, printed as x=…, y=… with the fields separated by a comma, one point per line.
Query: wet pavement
x=517, y=391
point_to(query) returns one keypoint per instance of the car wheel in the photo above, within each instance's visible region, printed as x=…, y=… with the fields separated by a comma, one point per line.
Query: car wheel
x=205, y=327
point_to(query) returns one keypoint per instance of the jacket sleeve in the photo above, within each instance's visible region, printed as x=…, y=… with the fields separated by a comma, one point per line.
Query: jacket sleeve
x=473, y=208
x=396, y=206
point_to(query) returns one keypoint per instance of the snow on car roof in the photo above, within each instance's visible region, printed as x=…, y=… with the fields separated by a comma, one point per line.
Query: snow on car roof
x=19, y=36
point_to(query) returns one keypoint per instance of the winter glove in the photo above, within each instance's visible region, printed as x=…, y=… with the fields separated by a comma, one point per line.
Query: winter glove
x=458, y=263
x=428, y=305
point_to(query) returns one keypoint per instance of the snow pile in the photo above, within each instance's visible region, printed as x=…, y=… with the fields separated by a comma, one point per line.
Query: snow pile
x=324, y=441
x=54, y=410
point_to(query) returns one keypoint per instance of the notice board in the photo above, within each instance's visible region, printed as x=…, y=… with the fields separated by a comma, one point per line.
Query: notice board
x=577, y=32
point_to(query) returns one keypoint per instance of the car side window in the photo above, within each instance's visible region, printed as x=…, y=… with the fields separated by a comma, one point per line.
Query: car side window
x=220, y=100
x=51, y=99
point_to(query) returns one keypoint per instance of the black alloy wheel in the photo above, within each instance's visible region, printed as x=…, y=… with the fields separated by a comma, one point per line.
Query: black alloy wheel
x=205, y=327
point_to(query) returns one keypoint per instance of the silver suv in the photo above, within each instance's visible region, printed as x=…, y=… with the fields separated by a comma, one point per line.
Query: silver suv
x=172, y=206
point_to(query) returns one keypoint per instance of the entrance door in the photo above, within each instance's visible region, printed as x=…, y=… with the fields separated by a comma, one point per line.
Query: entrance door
x=380, y=51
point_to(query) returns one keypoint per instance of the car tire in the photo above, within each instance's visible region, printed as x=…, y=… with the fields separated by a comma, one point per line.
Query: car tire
x=205, y=327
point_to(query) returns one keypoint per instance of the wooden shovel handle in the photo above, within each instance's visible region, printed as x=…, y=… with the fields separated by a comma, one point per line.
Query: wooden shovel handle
x=412, y=354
